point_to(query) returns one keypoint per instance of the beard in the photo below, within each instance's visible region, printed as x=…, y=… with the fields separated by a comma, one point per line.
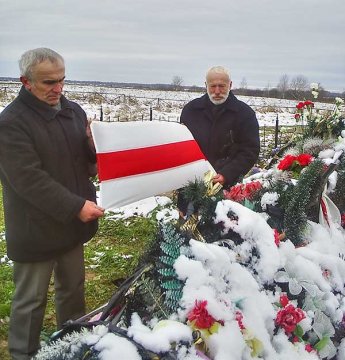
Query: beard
x=220, y=101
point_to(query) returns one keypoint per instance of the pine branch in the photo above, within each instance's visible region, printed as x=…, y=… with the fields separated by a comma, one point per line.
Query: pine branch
x=295, y=218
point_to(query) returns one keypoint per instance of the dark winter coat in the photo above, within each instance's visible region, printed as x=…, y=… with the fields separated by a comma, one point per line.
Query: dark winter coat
x=228, y=134
x=44, y=160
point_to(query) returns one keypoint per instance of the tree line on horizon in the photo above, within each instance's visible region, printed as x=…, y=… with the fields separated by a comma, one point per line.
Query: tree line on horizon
x=296, y=88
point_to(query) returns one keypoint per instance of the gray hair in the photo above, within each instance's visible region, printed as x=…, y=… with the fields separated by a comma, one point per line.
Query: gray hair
x=218, y=70
x=35, y=56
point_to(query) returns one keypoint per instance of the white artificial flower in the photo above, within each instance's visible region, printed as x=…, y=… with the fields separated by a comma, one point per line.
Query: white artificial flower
x=269, y=198
x=314, y=86
x=315, y=94
x=339, y=101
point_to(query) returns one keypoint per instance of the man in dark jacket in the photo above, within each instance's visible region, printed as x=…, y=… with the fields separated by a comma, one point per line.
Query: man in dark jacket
x=49, y=201
x=225, y=128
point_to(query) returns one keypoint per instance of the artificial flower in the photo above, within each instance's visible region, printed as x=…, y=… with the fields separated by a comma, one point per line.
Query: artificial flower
x=284, y=300
x=295, y=163
x=276, y=237
x=304, y=159
x=309, y=348
x=200, y=317
x=241, y=192
x=286, y=162
x=289, y=317
x=239, y=319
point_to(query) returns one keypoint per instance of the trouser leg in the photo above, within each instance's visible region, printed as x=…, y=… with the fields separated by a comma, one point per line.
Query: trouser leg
x=69, y=278
x=28, y=306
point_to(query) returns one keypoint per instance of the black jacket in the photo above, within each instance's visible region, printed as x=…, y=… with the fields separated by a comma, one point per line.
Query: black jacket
x=44, y=161
x=228, y=134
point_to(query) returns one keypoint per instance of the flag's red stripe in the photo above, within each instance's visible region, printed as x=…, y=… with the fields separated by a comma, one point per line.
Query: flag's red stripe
x=113, y=165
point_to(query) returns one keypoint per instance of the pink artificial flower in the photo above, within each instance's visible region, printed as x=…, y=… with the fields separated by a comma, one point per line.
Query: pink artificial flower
x=295, y=339
x=309, y=348
x=239, y=319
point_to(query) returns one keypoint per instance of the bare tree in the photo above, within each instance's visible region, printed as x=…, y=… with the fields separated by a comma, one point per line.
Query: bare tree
x=177, y=82
x=298, y=85
x=243, y=84
x=283, y=85
x=243, y=87
x=267, y=89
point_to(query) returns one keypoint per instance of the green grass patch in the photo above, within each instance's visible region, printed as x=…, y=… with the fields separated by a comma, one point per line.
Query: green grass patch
x=111, y=255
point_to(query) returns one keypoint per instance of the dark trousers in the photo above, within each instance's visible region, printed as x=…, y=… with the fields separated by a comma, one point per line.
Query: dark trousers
x=30, y=298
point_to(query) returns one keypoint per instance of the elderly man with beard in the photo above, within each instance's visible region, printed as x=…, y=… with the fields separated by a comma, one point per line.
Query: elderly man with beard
x=225, y=128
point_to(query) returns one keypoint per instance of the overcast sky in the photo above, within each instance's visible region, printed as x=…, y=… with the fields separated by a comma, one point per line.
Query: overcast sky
x=151, y=41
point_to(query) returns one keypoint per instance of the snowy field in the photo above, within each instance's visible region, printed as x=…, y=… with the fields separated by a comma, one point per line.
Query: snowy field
x=136, y=104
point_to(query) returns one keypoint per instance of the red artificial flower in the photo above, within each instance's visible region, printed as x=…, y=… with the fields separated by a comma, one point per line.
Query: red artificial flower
x=309, y=348
x=304, y=159
x=284, y=300
x=276, y=237
x=308, y=103
x=200, y=316
x=290, y=161
x=297, y=116
x=251, y=188
x=235, y=193
x=243, y=191
x=300, y=105
x=289, y=317
x=295, y=339
x=286, y=162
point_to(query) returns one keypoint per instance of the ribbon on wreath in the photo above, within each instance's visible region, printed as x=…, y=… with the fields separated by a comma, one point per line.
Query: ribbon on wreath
x=329, y=212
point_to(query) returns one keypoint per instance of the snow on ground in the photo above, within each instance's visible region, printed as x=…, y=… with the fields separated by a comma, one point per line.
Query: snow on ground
x=134, y=104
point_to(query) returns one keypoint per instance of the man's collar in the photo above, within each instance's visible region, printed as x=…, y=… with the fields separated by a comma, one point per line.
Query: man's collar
x=45, y=110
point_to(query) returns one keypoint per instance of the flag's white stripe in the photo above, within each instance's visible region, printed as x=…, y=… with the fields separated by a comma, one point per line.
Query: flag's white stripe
x=123, y=191
x=117, y=136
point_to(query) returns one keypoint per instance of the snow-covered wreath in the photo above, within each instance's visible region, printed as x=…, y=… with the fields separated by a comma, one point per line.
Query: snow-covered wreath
x=256, y=272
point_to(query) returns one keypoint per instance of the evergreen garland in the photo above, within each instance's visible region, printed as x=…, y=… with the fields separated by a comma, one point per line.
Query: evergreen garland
x=194, y=192
x=306, y=190
x=204, y=207
x=69, y=347
x=147, y=299
x=170, y=244
x=158, y=289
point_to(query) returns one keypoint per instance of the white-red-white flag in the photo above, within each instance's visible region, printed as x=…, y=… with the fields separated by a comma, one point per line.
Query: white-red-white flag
x=140, y=159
